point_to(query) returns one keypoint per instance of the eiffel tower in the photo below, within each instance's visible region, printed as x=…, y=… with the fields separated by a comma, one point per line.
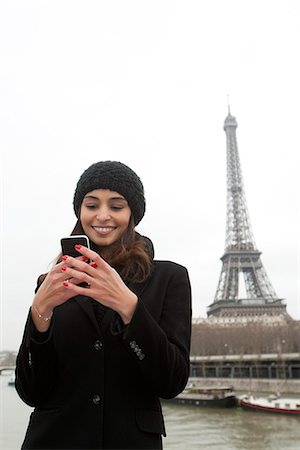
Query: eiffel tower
x=241, y=259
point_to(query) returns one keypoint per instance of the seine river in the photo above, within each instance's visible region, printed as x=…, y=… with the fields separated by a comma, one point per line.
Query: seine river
x=188, y=427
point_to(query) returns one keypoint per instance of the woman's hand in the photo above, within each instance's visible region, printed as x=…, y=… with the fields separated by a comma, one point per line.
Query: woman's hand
x=105, y=284
x=50, y=294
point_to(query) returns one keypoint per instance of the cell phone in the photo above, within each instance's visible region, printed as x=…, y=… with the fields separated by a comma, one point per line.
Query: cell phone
x=68, y=244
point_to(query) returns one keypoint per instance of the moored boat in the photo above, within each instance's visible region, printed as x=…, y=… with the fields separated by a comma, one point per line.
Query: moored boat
x=11, y=381
x=272, y=403
x=215, y=397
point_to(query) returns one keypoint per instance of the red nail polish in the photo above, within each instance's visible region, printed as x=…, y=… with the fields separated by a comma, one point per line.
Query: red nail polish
x=65, y=283
x=85, y=259
x=93, y=264
x=63, y=268
x=64, y=258
x=78, y=246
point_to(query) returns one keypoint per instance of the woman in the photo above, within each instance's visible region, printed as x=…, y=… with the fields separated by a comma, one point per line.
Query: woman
x=108, y=333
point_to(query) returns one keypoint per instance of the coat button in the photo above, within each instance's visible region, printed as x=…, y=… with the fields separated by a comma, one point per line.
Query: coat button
x=98, y=345
x=96, y=399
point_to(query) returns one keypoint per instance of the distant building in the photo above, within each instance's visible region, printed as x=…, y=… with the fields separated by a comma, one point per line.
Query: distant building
x=244, y=348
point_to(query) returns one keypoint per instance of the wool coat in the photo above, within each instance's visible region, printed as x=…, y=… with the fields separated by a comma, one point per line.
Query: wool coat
x=99, y=387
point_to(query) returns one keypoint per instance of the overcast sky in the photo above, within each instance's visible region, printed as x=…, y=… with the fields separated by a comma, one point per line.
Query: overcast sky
x=146, y=83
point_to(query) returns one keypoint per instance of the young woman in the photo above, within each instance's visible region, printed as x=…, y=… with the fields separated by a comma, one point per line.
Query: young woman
x=108, y=333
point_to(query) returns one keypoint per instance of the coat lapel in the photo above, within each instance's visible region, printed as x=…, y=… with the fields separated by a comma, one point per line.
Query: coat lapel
x=86, y=305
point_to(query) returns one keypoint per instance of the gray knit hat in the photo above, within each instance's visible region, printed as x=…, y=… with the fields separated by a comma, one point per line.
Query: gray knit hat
x=115, y=176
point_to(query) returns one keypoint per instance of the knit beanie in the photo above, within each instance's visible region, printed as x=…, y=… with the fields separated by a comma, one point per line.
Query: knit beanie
x=115, y=176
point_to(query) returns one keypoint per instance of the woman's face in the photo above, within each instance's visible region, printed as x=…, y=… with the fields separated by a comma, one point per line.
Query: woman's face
x=104, y=216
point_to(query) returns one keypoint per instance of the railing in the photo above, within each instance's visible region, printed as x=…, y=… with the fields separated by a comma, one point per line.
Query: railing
x=6, y=367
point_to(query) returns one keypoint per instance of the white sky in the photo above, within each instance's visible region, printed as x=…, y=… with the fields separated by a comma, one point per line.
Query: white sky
x=146, y=83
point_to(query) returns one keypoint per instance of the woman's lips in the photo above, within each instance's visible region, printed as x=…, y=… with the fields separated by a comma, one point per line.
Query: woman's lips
x=103, y=230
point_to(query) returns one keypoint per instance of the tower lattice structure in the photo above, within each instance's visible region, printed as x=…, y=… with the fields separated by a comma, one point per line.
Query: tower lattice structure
x=241, y=261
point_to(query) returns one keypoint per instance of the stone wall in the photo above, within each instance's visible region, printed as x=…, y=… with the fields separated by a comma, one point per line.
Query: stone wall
x=254, y=385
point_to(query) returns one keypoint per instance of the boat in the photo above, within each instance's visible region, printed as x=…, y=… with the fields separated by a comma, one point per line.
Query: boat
x=272, y=403
x=12, y=381
x=214, y=397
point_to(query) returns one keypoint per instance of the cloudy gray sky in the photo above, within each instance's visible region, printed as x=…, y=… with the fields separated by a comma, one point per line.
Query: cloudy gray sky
x=146, y=83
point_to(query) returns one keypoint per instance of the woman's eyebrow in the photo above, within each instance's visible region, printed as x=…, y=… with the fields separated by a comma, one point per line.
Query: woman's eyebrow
x=93, y=197
x=118, y=198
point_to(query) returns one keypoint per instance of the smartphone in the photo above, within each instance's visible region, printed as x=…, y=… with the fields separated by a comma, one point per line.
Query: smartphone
x=68, y=244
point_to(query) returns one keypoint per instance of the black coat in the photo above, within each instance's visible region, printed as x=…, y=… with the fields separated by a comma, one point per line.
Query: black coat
x=99, y=387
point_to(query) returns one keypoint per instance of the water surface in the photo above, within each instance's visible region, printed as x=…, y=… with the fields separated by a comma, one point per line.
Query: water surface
x=188, y=427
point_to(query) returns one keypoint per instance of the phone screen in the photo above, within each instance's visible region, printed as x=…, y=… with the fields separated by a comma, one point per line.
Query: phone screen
x=68, y=245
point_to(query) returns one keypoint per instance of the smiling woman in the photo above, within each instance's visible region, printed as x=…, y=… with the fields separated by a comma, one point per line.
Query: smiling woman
x=104, y=216
x=108, y=333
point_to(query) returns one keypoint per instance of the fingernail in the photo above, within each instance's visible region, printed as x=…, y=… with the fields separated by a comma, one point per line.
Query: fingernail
x=64, y=258
x=85, y=259
x=78, y=246
x=93, y=264
x=63, y=268
x=65, y=283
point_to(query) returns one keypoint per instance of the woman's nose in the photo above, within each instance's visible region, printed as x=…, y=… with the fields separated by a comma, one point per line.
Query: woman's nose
x=103, y=214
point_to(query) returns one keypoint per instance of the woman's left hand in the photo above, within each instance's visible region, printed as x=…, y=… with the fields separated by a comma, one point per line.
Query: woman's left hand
x=105, y=284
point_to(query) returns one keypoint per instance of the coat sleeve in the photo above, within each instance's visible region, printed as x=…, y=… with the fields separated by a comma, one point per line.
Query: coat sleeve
x=35, y=364
x=161, y=348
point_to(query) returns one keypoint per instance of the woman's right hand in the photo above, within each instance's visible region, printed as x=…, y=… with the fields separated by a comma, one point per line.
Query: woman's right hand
x=50, y=294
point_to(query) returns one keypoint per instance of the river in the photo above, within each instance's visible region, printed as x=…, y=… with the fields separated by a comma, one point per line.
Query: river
x=188, y=427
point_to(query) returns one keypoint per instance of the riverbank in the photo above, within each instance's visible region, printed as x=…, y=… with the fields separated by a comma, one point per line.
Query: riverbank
x=253, y=385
